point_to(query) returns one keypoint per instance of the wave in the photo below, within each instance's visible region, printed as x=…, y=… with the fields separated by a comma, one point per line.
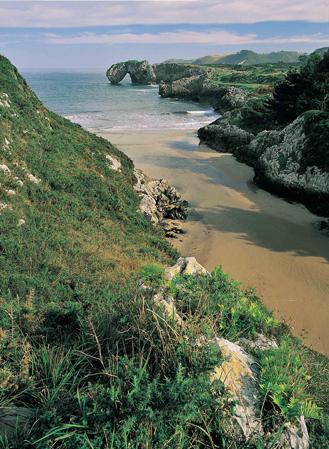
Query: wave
x=202, y=112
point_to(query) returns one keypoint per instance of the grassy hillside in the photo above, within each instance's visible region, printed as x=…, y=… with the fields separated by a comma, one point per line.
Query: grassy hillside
x=208, y=60
x=253, y=78
x=84, y=352
x=320, y=51
x=248, y=57
x=245, y=57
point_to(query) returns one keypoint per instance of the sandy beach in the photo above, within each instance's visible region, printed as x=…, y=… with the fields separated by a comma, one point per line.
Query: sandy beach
x=257, y=238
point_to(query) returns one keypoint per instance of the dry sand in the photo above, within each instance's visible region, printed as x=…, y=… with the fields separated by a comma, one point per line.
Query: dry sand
x=257, y=238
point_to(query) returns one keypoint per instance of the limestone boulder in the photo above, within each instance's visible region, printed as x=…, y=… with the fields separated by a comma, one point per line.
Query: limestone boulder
x=239, y=376
x=185, y=266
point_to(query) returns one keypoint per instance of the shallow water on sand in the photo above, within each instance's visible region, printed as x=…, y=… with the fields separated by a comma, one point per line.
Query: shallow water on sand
x=258, y=238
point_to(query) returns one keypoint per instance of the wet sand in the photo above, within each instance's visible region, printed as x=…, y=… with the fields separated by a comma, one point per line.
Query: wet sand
x=262, y=240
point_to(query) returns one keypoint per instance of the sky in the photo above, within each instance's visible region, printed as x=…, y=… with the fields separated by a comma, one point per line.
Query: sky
x=94, y=34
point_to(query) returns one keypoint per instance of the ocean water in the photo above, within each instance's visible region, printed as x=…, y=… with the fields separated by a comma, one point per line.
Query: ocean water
x=90, y=100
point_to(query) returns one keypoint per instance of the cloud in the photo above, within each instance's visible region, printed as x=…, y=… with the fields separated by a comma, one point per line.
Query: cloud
x=93, y=13
x=181, y=37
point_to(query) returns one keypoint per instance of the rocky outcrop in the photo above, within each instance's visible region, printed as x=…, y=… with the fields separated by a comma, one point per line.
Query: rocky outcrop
x=141, y=72
x=160, y=203
x=114, y=163
x=279, y=158
x=185, y=266
x=239, y=375
x=201, y=88
x=280, y=166
x=223, y=136
x=180, y=80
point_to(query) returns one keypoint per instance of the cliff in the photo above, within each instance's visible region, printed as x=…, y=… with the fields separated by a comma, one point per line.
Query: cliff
x=180, y=80
x=291, y=162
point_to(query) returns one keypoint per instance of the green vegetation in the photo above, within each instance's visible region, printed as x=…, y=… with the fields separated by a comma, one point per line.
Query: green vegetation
x=91, y=356
x=257, y=79
x=248, y=57
x=245, y=58
x=302, y=90
x=317, y=139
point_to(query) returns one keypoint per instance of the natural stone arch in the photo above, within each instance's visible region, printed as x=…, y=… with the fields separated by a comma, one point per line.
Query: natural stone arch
x=140, y=72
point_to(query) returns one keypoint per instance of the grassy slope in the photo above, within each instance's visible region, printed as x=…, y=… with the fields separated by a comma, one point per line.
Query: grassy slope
x=79, y=344
x=253, y=77
x=248, y=57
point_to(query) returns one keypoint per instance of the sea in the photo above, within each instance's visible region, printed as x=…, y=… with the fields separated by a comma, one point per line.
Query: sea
x=89, y=99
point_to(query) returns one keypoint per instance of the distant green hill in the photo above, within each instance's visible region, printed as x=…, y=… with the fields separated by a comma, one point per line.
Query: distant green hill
x=209, y=59
x=178, y=61
x=248, y=57
x=245, y=57
x=320, y=51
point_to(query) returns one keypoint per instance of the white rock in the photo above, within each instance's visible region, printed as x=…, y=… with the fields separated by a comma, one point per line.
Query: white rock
x=185, y=266
x=149, y=208
x=114, y=163
x=239, y=377
x=4, y=206
x=295, y=435
x=4, y=100
x=21, y=222
x=4, y=169
x=260, y=342
x=10, y=192
x=168, y=306
x=32, y=178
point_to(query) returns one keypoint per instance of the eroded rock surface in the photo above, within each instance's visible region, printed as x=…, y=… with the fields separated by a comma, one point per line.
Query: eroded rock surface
x=180, y=80
x=223, y=136
x=238, y=374
x=159, y=201
x=295, y=435
x=185, y=266
x=141, y=72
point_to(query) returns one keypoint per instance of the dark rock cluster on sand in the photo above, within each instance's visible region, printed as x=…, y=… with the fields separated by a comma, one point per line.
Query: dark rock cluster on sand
x=161, y=203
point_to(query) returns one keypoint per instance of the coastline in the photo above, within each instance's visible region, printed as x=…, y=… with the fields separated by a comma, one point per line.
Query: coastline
x=260, y=239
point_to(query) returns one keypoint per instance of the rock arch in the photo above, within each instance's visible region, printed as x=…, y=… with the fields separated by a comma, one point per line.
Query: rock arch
x=141, y=72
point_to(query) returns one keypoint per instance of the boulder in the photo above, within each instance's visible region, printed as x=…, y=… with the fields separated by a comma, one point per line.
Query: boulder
x=141, y=72
x=185, y=266
x=239, y=376
x=222, y=136
x=114, y=163
x=172, y=228
x=295, y=435
x=167, y=303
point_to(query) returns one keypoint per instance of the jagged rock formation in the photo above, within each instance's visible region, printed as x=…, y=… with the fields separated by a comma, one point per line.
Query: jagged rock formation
x=180, y=80
x=160, y=202
x=278, y=157
x=282, y=168
x=196, y=83
x=223, y=136
x=141, y=72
